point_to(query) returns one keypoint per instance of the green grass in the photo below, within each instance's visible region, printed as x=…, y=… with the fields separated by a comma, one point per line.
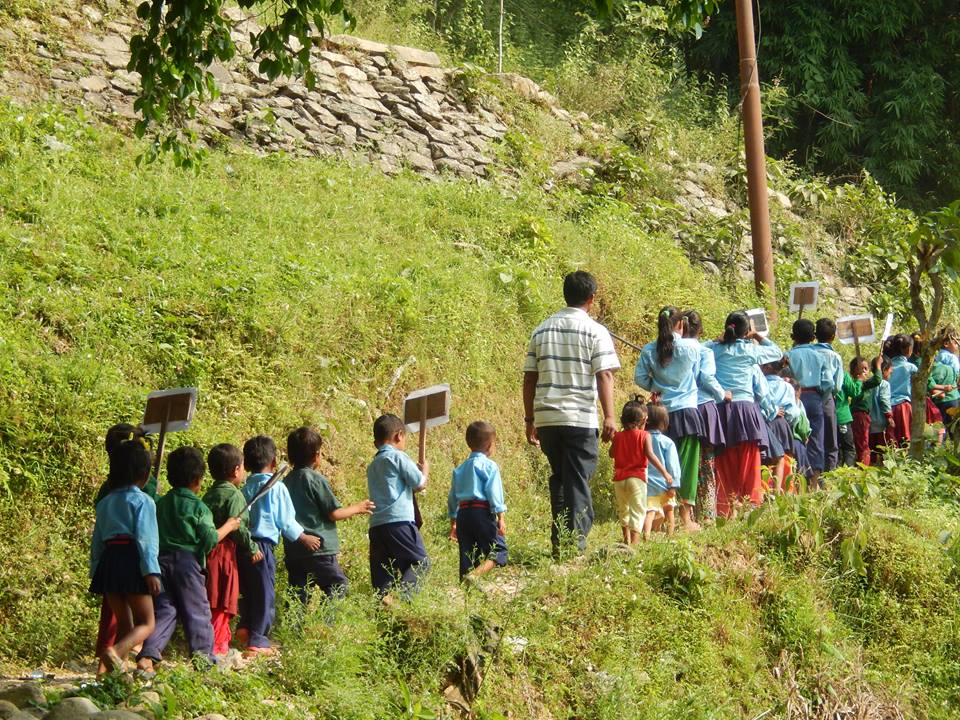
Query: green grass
x=289, y=291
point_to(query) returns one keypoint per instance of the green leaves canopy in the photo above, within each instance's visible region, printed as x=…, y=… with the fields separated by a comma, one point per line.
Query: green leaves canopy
x=873, y=84
x=182, y=38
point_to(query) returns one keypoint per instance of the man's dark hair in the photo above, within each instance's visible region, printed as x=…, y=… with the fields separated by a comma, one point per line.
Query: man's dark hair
x=826, y=330
x=258, y=453
x=222, y=459
x=303, y=444
x=803, y=332
x=385, y=427
x=479, y=434
x=578, y=288
x=184, y=467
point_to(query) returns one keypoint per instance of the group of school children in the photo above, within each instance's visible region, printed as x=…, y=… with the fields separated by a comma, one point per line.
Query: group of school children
x=204, y=562
x=722, y=410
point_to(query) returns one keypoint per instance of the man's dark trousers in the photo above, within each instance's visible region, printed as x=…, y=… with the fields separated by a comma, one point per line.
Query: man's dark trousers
x=572, y=453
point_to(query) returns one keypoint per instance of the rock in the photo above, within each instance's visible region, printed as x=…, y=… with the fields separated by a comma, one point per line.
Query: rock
x=7, y=709
x=413, y=56
x=692, y=189
x=32, y=713
x=93, y=83
x=348, y=134
x=92, y=14
x=352, y=73
x=111, y=43
x=117, y=60
x=780, y=198
x=23, y=696
x=454, y=166
x=117, y=714
x=349, y=42
x=335, y=58
x=362, y=89
x=211, y=716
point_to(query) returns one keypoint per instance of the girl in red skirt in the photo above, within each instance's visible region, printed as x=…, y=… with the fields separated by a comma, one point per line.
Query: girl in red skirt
x=225, y=501
x=900, y=390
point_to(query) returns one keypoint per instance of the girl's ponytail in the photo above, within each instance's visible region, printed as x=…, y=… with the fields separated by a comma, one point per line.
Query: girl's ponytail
x=666, y=321
x=735, y=327
x=129, y=464
x=694, y=325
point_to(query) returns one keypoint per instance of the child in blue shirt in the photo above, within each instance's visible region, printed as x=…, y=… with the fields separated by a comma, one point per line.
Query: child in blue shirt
x=901, y=376
x=660, y=492
x=476, y=506
x=881, y=415
x=272, y=516
x=397, y=554
x=124, y=566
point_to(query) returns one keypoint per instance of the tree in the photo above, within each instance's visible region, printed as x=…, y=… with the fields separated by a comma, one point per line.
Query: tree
x=182, y=38
x=933, y=261
x=872, y=84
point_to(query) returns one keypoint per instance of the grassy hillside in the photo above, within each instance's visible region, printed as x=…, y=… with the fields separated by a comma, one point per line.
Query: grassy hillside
x=291, y=291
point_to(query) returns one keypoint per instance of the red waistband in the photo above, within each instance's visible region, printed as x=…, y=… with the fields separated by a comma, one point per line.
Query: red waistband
x=474, y=504
x=119, y=540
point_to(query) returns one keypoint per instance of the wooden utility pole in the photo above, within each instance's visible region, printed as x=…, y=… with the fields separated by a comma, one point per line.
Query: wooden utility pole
x=756, y=158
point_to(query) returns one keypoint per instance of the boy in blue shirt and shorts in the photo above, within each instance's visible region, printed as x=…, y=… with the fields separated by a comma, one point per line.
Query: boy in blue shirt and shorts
x=476, y=506
x=397, y=554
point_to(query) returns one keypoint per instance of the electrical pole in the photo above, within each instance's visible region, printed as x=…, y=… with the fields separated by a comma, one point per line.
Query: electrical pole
x=756, y=158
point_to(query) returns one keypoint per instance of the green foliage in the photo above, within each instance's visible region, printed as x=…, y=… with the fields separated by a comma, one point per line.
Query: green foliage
x=870, y=86
x=182, y=38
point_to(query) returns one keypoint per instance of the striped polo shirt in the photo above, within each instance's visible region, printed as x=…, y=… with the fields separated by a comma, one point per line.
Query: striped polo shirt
x=567, y=350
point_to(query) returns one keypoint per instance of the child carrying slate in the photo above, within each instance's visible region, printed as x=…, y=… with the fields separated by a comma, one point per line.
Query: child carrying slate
x=476, y=506
x=123, y=554
x=318, y=511
x=397, y=554
x=187, y=535
x=661, y=488
x=273, y=515
x=225, y=463
x=631, y=450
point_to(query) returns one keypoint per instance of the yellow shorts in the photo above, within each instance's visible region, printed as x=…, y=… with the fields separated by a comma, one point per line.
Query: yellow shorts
x=656, y=503
x=631, y=498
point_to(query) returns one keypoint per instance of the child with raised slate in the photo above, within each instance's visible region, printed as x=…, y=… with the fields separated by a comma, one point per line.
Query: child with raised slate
x=476, y=505
x=632, y=450
x=397, y=554
x=225, y=500
x=881, y=415
x=318, y=511
x=123, y=554
x=187, y=535
x=861, y=382
x=271, y=516
x=661, y=487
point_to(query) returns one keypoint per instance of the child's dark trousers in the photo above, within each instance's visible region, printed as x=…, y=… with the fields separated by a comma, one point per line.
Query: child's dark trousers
x=257, y=594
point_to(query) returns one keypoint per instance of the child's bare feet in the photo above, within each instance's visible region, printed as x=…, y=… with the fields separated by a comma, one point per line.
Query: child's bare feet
x=112, y=661
x=242, y=637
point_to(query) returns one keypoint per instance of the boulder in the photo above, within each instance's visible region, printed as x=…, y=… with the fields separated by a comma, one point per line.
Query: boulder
x=73, y=708
x=352, y=73
x=349, y=42
x=414, y=56
x=23, y=696
x=93, y=83
x=116, y=715
x=7, y=708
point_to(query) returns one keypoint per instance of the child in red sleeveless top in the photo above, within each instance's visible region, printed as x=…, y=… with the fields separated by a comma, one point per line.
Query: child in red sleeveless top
x=631, y=450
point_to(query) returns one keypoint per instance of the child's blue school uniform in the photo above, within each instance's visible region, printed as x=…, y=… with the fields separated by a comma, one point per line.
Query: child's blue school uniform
x=903, y=371
x=666, y=451
x=396, y=547
x=126, y=543
x=475, y=499
x=831, y=432
x=271, y=516
x=880, y=405
x=813, y=370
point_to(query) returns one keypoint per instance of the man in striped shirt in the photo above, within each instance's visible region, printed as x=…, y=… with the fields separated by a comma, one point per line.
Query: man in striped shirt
x=570, y=360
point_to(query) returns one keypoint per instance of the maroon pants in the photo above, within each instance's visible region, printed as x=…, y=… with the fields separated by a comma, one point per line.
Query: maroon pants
x=861, y=436
x=107, y=631
x=879, y=442
x=902, y=417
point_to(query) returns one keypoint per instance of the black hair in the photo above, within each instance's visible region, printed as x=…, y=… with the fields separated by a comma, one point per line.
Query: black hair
x=578, y=288
x=258, y=453
x=222, y=460
x=129, y=464
x=303, y=444
x=657, y=417
x=803, y=332
x=119, y=433
x=855, y=364
x=385, y=427
x=825, y=330
x=479, y=434
x=900, y=345
x=634, y=413
x=185, y=467
x=666, y=320
x=774, y=368
x=694, y=324
x=736, y=327
x=888, y=346
x=885, y=365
